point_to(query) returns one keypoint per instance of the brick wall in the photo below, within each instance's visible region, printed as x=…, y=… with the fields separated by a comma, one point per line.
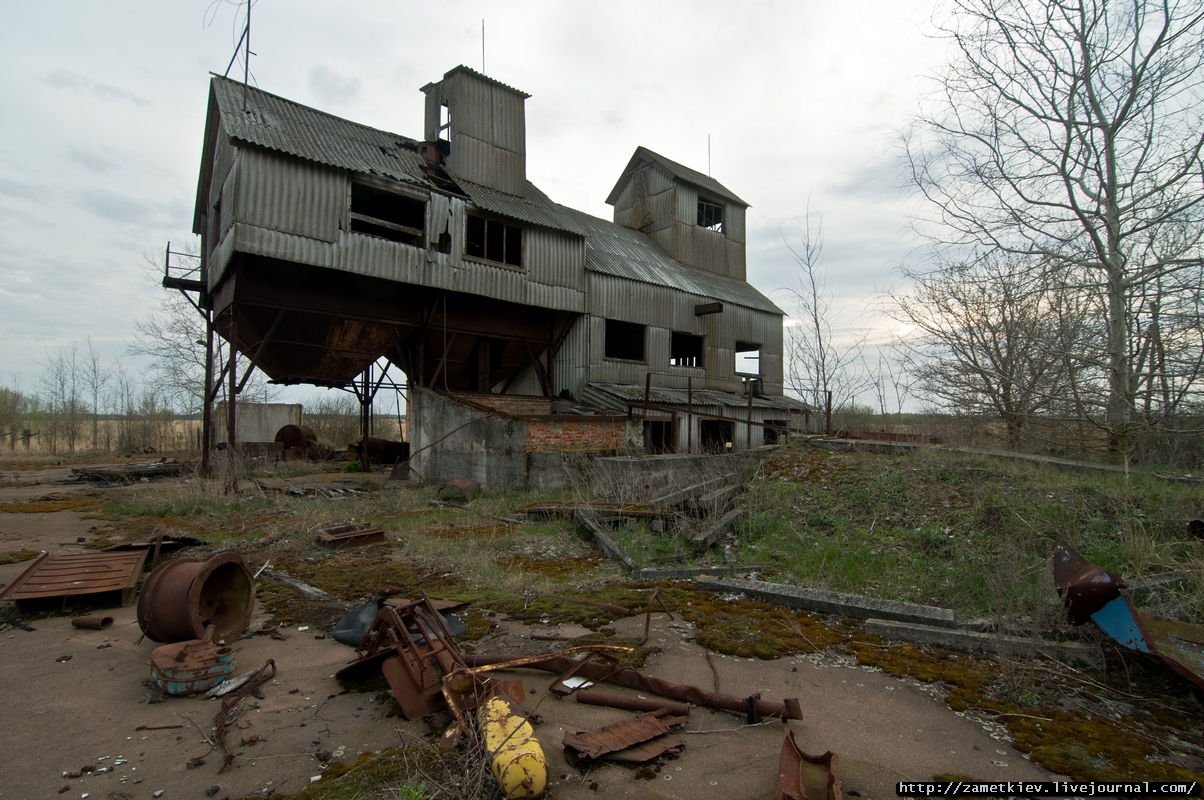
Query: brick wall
x=560, y=435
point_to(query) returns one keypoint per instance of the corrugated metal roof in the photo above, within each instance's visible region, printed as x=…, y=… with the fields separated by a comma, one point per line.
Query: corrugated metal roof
x=279, y=124
x=535, y=208
x=701, y=397
x=705, y=182
x=615, y=250
x=480, y=75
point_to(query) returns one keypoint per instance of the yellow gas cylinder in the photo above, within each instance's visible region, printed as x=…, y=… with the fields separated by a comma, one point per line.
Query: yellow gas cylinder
x=515, y=756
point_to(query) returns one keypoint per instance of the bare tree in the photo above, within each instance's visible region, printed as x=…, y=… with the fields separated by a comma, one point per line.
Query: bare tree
x=96, y=376
x=62, y=386
x=1071, y=131
x=815, y=363
x=985, y=343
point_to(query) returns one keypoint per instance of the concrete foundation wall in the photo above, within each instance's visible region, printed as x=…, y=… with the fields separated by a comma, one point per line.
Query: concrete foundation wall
x=501, y=453
x=255, y=422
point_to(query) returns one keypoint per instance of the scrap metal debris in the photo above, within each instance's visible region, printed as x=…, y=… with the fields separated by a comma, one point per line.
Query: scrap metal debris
x=182, y=598
x=515, y=757
x=128, y=473
x=190, y=667
x=78, y=574
x=804, y=777
x=1090, y=592
x=631, y=740
x=628, y=703
x=231, y=700
x=752, y=707
x=459, y=490
x=350, y=535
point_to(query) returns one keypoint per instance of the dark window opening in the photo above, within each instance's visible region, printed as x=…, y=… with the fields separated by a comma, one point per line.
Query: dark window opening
x=658, y=438
x=624, y=340
x=685, y=350
x=444, y=243
x=388, y=215
x=493, y=241
x=716, y=435
x=775, y=431
x=710, y=215
x=748, y=358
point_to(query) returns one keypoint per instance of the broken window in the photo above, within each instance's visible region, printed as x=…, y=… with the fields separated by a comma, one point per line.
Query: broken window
x=710, y=215
x=748, y=358
x=493, y=241
x=624, y=340
x=685, y=350
x=775, y=431
x=445, y=123
x=716, y=435
x=389, y=215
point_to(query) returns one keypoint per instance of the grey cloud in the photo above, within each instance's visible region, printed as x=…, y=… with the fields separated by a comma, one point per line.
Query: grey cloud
x=882, y=178
x=332, y=88
x=24, y=191
x=92, y=160
x=116, y=207
x=82, y=84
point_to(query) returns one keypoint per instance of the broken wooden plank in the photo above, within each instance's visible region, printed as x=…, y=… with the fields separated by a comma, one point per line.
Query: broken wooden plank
x=605, y=543
x=349, y=536
x=713, y=501
x=711, y=535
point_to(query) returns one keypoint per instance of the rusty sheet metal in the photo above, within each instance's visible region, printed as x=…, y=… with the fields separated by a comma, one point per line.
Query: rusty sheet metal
x=628, y=703
x=1091, y=592
x=804, y=777
x=1085, y=588
x=355, y=535
x=619, y=736
x=77, y=574
x=751, y=706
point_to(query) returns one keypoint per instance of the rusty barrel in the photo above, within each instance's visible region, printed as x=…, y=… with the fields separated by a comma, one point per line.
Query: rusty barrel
x=181, y=597
x=301, y=436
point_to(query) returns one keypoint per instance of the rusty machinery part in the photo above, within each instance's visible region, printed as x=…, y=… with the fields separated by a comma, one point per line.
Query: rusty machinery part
x=1085, y=588
x=415, y=650
x=515, y=755
x=181, y=598
x=459, y=490
x=630, y=740
x=804, y=777
x=561, y=686
x=466, y=691
x=630, y=678
x=266, y=673
x=629, y=703
x=94, y=623
x=301, y=436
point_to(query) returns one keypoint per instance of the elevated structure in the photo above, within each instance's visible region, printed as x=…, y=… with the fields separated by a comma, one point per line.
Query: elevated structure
x=328, y=245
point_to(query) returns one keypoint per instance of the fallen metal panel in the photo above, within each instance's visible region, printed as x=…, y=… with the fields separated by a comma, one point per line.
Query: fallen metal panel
x=619, y=735
x=83, y=573
x=804, y=777
x=349, y=536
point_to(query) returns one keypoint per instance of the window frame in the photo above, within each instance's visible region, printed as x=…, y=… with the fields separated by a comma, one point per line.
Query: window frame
x=748, y=347
x=705, y=202
x=702, y=349
x=505, y=223
x=401, y=191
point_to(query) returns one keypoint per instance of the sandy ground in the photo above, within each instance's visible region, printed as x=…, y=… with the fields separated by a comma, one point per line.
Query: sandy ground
x=62, y=715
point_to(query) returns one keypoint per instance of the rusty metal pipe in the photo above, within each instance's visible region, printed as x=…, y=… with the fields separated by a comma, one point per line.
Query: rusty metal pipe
x=631, y=703
x=96, y=623
x=789, y=709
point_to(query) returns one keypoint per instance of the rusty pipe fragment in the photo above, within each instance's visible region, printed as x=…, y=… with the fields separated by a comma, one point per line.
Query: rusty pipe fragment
x=626, y=703
x=789, y=709
x=96, y=623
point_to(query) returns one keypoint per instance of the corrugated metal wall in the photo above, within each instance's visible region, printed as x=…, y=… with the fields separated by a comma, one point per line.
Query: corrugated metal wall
x=290, y=195
x=672, y=310
x=489, y=165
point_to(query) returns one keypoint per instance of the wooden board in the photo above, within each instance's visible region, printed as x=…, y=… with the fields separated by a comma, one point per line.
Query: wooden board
x=78, y=573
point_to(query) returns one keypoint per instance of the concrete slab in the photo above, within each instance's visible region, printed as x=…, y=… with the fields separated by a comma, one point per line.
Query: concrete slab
x=975, y=642
x=825, y=602
x=678, y=573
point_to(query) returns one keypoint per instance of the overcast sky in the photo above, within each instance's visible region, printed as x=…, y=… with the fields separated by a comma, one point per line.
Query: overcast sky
x=104, y=104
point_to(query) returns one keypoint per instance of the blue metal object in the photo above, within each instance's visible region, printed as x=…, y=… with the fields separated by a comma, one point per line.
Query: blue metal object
x=1119, y=620
x=190, y=667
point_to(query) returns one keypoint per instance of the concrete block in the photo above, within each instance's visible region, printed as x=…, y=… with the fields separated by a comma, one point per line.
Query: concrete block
x=994, y=644
x=848, y=605
x=721, y=526
x=607, y=544
x=676, y=573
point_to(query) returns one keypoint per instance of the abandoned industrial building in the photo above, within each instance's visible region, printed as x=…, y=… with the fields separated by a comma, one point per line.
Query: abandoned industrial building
x=525, y=329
